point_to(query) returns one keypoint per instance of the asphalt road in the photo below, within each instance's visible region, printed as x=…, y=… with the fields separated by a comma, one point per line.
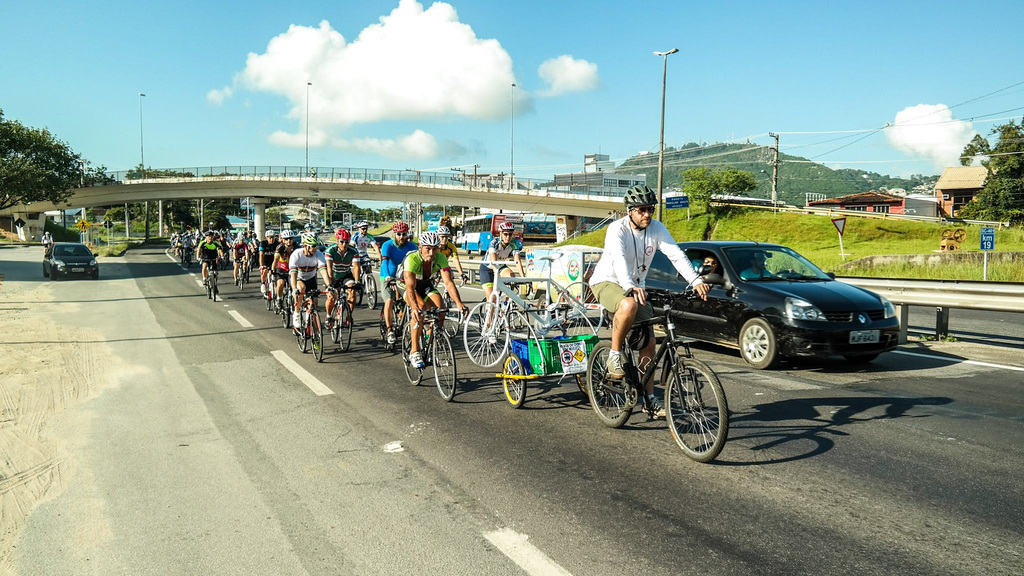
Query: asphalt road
x=211, y=457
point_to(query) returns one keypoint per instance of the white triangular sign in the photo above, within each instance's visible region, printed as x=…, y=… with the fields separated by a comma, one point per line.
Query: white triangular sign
x=840, y=224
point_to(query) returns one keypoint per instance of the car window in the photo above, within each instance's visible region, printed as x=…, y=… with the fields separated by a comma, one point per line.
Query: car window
x=74, y=250
x=661, y=269
x=767, y=263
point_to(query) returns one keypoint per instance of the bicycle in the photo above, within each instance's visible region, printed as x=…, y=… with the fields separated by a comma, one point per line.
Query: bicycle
x=369, y=285
x=696, y=409
x=399, y=323
x=186, y=258
x=341, y=320
x=455, y=317
x=310, y=331
x=436, y=347
x=284, y=305
x=211, y=282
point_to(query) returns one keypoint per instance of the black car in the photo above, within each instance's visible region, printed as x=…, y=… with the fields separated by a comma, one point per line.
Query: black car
x=69, y=258
x=771, y=302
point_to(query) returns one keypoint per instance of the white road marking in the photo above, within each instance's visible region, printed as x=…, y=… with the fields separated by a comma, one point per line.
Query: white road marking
x=308, y=379
x=192, y=274
x=525, y=555
x=960, y=361
x=200, y=282
x=245, y=323
x=394, y=447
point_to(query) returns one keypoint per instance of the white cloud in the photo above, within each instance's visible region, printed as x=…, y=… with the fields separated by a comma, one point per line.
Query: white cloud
x=567, y=74
x=414, y=64
x=929, y=131
x=417, y=146
x=217, y=97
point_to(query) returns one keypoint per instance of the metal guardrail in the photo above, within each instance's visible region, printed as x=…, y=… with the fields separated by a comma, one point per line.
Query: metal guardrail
x=863, y=214
x=943, y=295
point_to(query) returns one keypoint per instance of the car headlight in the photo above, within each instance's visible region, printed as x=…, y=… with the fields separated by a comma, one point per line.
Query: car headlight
x=92, y=262
x=59, y=263
x=890, y=310
x=797, y=309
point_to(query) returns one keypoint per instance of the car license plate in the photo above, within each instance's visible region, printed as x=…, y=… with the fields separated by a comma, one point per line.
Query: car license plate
x=78, y=269
x=864, y=336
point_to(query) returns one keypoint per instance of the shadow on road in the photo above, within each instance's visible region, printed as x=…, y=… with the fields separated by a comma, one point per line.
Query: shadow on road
x=799, y=428
x=139, y=339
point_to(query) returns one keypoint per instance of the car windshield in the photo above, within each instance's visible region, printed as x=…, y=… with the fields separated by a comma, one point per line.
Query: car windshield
x=73, y=250
x=772, y=263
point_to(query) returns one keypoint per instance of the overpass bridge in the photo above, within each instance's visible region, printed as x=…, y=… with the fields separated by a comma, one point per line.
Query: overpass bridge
x=262, y=184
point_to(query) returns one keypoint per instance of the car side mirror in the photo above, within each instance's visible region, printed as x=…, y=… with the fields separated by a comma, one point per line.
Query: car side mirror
x=718, y=280
x=704, y=270
x=831, y=275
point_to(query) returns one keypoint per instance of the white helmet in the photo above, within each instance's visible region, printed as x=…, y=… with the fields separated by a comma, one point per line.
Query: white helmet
x=506, y=227
x=443, y=231
x=429, y=239
x=286, y=234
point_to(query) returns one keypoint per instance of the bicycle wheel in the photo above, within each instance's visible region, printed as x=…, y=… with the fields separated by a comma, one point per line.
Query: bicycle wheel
x=607, y=397
x=583, y=294
x=269, y=298
x=384, y=333
x=345, y=325
x=515, y=388
x=301, y=334
x=696, y=409
x=575, y=321
x=286, y=314
x=209, y=289
x=213, y=281
x=452, y=318
x=316, y=336
x=370, y=288
x=484, y=335
x=413, y=374
x=443, y=358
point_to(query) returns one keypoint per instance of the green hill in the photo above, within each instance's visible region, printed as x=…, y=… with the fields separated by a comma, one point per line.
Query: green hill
x=797, y=175
x=815, y=237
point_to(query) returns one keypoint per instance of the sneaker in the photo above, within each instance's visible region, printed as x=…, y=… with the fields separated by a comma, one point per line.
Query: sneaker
x=263, y=289
x=296, y=319
x=656, y=407
x=329, y=323
x=391, y=337
x=416, y=360
x=616, y=370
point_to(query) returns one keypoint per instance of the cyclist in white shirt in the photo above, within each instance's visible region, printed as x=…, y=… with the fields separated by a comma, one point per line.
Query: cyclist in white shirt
x=619, y=277
x=303, y=266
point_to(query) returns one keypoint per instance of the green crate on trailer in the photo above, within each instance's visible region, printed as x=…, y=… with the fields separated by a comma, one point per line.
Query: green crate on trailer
x=544, y=353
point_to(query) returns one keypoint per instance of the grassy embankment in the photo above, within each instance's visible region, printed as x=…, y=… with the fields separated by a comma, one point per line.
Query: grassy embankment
x=816, y=238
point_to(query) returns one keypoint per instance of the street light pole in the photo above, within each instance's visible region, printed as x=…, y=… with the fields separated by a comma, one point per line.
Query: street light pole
x=308, y=84
x=661, y=144
x=142, y=145
x=512, y=137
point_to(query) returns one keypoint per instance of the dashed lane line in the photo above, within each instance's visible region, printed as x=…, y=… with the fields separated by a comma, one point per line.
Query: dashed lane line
x=960, y=361
x=241, y=320
x=308, y=379
x=525, y=555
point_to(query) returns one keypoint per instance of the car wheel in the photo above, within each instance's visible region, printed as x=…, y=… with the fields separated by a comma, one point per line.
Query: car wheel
x=54, y=275
x=757, y=344
x=860, y=358
x=96, y=275
x=46, y=274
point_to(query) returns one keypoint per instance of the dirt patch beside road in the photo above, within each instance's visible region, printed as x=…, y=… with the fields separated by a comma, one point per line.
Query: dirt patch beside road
x=54, y=369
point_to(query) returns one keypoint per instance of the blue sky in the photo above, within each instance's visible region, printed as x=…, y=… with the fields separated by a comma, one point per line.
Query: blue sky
x=428, y=87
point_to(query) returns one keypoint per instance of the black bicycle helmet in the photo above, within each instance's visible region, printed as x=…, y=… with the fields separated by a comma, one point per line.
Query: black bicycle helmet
x=640, y=195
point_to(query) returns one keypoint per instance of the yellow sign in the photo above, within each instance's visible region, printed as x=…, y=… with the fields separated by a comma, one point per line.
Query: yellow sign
x=82, y=225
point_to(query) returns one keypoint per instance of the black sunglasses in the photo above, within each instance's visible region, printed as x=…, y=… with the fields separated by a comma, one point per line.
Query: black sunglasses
x=645, y=209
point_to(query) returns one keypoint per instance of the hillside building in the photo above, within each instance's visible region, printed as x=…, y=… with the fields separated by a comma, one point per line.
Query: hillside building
x=865, y=202
x=957, y=186
x=599, y=176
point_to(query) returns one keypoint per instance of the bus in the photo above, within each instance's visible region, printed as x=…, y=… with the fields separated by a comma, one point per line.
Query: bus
x=477, y=231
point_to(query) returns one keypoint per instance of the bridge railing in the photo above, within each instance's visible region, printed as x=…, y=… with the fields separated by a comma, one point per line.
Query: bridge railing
x=334, y=174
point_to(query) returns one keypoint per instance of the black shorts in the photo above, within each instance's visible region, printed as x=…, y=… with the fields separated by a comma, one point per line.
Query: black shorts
x=280, y=274
x=310, y=284
x=487, y=275
x=345, y=281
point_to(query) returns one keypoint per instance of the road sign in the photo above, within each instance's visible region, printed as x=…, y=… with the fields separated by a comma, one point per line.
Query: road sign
x=108, y=224
x=840, y=224
x=677, y=202
x=82, y=225
x=432, y=215
x=988, y=239
x=19, y=223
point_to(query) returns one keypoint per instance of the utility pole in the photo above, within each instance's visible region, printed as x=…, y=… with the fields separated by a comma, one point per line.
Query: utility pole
x=660, y=208
x=775, y=171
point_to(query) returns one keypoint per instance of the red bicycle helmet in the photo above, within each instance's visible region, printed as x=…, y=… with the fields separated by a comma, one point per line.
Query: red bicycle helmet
x=400, y=228
x=343, y=235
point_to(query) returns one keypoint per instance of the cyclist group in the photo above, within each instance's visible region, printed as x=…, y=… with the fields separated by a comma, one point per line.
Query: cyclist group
x=411, y=271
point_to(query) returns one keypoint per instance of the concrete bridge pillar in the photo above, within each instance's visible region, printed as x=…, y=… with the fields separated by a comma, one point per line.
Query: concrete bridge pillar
x=259, y=216
x=33, y=229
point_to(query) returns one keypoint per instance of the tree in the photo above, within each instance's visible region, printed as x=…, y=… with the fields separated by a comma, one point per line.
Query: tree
x=1002, y=198
x=700, y=184
x=35, y=166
